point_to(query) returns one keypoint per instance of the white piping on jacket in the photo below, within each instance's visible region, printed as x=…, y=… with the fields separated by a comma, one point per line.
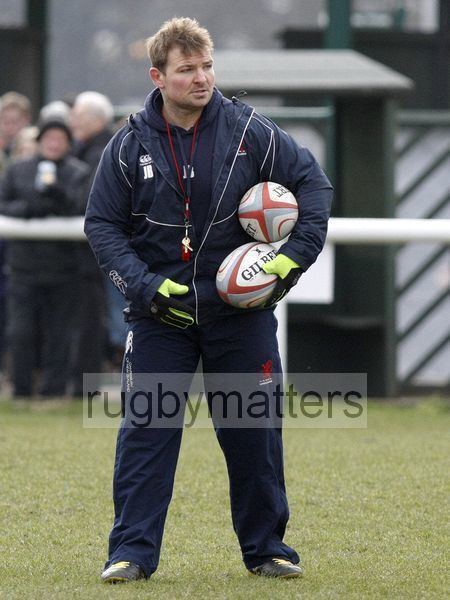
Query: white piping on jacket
x=121, y=162
x=156, y=222
x=272, y=139
x=226, y=218
x=166, y=224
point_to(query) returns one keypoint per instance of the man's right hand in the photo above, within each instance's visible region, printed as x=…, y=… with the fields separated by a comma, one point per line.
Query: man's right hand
x=168, y=310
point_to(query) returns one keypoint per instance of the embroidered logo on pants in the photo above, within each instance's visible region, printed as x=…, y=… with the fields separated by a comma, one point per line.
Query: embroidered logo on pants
x=129, y=343
x=266, y=370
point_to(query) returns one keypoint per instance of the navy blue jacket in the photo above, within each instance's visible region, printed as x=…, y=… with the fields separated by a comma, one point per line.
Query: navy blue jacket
x=135, y=220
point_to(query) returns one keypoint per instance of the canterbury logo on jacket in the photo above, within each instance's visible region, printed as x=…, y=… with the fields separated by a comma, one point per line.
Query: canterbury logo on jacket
x=135, y=220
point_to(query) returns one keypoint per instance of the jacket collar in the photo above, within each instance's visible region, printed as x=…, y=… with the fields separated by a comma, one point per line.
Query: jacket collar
x=152, y=112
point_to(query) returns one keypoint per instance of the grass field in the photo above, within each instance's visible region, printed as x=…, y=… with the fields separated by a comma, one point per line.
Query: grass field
x=368, y=510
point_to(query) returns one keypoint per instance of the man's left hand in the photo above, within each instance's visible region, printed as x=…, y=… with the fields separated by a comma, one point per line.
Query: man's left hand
x=288, y=272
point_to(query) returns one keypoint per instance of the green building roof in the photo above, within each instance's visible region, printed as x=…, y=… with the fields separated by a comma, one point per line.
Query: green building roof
x=337, y=72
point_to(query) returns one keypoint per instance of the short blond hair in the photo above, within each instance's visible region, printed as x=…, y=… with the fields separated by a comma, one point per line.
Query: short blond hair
x=183, y=32
x=16, y=100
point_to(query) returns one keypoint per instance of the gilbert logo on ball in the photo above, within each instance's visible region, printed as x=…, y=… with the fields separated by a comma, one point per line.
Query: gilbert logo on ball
x=268, y=211
x=240, y=279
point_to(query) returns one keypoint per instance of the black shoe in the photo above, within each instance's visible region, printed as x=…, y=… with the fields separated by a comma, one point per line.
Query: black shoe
x=278, y=567
x=122, y=571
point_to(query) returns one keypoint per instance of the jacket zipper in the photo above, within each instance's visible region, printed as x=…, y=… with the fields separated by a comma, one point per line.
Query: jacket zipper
x=215, y=212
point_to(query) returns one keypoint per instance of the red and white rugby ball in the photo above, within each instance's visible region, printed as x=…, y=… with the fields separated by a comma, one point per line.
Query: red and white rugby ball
x=268, y=211
x=240, y=279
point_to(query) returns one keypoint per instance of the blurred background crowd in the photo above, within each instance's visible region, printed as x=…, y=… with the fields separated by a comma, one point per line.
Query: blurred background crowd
x=63, y=319
x=387, y=153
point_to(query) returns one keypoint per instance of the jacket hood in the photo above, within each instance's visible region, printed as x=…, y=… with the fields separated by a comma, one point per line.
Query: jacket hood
x=152, y=114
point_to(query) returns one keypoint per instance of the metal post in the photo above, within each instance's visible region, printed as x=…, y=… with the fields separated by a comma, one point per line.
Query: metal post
x=36, y=19
x=442, y=65
x=365, y=303
x=37, y=14
x=339, y=31
x=338, y=34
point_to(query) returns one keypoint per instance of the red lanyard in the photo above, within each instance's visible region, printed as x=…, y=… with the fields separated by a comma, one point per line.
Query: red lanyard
x=186, y=190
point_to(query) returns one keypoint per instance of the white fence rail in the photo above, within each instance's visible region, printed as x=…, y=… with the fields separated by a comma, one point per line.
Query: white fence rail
x=341, y=230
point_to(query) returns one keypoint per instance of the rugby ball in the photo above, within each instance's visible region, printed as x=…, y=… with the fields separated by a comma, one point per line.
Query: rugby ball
x=240, y=279
x=268, y=211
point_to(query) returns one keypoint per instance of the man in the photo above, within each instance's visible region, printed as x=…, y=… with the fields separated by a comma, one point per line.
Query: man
x=90, y=119
x=161, y=218
x=15, y=114
x=41, y=273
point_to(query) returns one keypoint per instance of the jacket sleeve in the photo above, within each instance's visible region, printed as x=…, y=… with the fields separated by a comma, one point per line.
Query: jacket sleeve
x=108, y=228
x=10, y=204
x=297, y=169
x=78, y=191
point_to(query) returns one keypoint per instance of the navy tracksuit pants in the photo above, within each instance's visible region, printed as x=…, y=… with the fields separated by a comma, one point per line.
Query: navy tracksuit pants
x=146, y=457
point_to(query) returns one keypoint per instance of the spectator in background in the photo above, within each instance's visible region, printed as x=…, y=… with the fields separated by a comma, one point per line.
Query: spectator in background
x=91, y=121
x=3, y=295
x=3, y=157
x=57, y=109
x=41, y=273
x=15, y=114
x=25, y=144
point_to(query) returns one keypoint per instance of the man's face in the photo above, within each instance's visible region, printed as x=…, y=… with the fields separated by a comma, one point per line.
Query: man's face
x=187, y=82
x=54, y=144
x=84, y=123
x=12, y=120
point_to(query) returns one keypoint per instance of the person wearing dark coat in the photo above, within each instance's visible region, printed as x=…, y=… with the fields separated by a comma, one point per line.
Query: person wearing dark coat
x=161, y=219
x=90, y=120
x=42, y=273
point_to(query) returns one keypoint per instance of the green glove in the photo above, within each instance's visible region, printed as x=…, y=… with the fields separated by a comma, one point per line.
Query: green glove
x=288, y=272
x=169, y=287
x=168, y=310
